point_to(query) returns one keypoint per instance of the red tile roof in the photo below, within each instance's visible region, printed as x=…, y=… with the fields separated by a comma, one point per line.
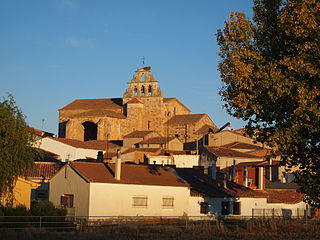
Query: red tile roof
x=134, y=100
x=226, y=152
x=138, y=134
x=130, y=174
x=39, y=132
x=284, y=196
x=43, y=170
x=99, y=113
x=158, y=140
x=147, y=150
x=185, y=119
x=202, y=184
x=242, y=145
x=90, y=104
x=93, y=144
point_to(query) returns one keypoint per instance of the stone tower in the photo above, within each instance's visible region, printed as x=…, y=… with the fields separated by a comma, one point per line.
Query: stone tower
x=143, y=102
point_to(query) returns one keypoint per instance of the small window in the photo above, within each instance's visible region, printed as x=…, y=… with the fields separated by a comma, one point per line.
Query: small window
x=236, y=208
x=167, y=202
x=142, y=91
x=225, y=208
x=140, y=201
x=204, y=207
x=67, y=200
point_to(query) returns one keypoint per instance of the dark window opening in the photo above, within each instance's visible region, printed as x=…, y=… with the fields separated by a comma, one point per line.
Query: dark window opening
x=149, y=123
x=236, y=208
x=62, y=129
x=90, y=131
x=135, y=91
x=225, y=208
x=149, y=90
x=66, y=200
x=204, y=207
x=142, y=91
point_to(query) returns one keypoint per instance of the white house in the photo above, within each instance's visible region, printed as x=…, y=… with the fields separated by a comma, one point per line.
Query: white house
x=70, y=149
x=98, y=189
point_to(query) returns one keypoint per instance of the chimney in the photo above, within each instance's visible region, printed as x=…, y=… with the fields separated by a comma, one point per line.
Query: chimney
x=260, y=178
x=245, y=176
x=117, y=174
x=234, y=171
x=214, y=170
x=100, y=156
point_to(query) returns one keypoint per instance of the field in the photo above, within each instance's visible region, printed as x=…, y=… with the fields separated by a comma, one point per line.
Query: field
x=192, y=231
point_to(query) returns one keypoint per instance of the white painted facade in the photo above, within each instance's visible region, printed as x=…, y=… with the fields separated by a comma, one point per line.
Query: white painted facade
x=180, y=161
x=111, y=199
x=65, y=151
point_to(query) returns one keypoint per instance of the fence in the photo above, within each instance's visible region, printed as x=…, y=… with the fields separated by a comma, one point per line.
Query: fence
x=280, y=213
x=79, y=223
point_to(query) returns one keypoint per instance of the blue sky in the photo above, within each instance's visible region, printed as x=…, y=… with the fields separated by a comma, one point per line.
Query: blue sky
x=55, y=51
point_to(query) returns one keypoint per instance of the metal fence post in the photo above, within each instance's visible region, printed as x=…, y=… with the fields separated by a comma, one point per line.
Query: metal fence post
x=252, y=213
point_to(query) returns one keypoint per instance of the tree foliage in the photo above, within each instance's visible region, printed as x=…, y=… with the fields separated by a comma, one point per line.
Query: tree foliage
x=16, y=153
x=270, y=68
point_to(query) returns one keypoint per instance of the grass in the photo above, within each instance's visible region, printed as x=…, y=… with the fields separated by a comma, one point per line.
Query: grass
x=270, y=230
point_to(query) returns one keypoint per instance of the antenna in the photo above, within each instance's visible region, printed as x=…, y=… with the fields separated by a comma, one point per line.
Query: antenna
x=143, y=58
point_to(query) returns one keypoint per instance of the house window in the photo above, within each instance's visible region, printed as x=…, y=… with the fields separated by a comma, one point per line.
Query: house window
x=236, y=208
x=204, y=207
x=167, y=202
x=225, y=208
x=140, y=201
x=66, y=200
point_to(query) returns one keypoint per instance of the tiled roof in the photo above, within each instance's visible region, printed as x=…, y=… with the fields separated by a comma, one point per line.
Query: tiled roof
x=134, y=100
x=138, y=134
x=158, y=140
x=261, y=153
x=280, y=185
x=176, y=100
x=204, y=185
x=99, y=113
x=130, y=174
x=46, y=156
x=40, y=132
x=90, y=104
x=93, y=144
x=226, y=152
x=242, y=145
x=185, y=119
x=43, y=169
x=284, y=196
x=147, y=150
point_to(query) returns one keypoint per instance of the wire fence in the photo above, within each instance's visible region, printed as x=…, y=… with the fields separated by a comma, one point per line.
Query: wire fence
x=80, y=223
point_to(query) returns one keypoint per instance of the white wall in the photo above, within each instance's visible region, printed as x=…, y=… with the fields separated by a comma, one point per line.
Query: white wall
x=65, y=151
x=70, y=182
x=186, y=161
x=108, y=199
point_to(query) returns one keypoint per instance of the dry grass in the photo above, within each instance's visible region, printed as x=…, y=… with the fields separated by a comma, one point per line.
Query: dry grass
x=271, y=230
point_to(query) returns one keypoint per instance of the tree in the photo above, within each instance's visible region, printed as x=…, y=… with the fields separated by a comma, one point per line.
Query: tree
x=16, y=154
x=270, y=68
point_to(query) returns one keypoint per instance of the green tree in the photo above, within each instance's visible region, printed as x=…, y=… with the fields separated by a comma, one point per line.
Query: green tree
x=270, y=68
x=16, y=154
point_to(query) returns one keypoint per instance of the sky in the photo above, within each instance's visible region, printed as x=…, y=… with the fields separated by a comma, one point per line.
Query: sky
x=55, y=51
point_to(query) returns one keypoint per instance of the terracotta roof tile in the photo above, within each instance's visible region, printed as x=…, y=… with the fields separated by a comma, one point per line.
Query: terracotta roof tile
x=185, y=119
x=158, y=140
x=147, y=150
x=90, y=104
x=138, y=134
x=226, y=152
x=130, y=174
x=93, y=144
x=44, y=169
x=98, y=113
x=204, y=185
x=284, y=196
x=134, y=100
x=242, y=145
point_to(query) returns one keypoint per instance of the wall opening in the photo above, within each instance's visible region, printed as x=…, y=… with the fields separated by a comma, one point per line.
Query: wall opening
x=90, y=131
x=142, y=91
x=135, y=91
x=62, y=129
x=149, y=90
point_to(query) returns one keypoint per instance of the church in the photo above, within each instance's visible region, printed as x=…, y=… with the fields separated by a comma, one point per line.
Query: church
x=142, y=108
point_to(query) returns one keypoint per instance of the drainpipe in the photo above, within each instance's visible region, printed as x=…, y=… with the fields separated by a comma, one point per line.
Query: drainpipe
x=245, y=175
x=214, y=170
x=118, y=166
x=234, y=171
